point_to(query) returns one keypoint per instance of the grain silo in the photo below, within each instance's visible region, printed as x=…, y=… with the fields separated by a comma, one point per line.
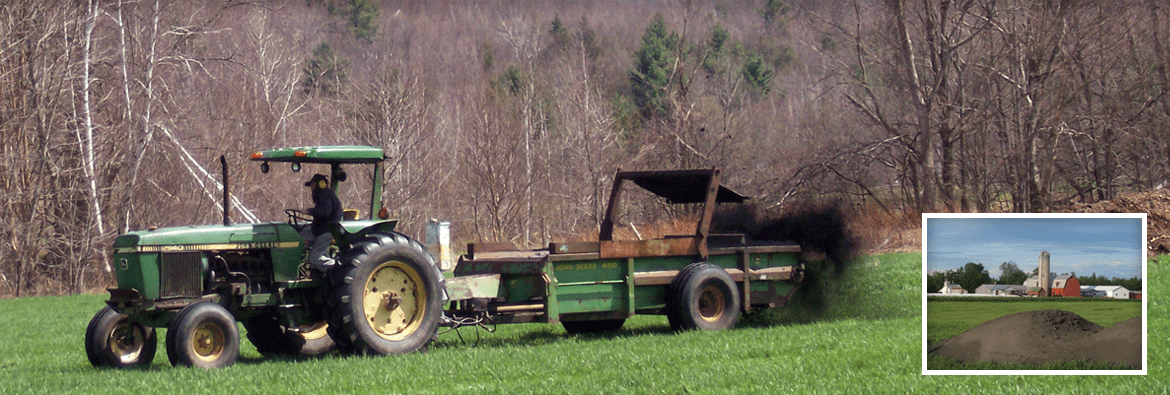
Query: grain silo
x=1045, y=283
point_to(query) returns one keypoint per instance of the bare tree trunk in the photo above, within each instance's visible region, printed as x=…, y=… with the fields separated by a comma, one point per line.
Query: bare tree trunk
x=147, y=126
x=90, y=172
x=925, y=136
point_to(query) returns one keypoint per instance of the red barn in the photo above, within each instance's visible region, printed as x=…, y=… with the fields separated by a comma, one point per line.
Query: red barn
x=1066, y=286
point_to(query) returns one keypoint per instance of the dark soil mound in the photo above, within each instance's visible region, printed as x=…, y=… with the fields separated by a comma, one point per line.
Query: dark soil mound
x=1121, y=343
x=1038, y=337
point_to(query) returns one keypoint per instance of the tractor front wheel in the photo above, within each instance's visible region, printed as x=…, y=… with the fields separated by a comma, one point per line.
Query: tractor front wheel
x=203, y=335
x=388, y=298
x=113, y=340
x=704, y=297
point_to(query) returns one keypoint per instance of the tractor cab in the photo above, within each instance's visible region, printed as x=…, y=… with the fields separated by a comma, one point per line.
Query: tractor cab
x=337, y=157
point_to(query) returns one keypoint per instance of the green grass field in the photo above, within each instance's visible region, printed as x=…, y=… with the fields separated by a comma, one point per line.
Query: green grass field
x=867, y=340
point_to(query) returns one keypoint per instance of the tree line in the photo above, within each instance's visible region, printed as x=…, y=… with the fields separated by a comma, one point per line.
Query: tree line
x=971, y=275
x=508, y=118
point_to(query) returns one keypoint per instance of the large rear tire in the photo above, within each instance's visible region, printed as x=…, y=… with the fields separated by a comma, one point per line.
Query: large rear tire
x=203, y=335
x=388, y=297
x=113, y=341
x=275, y=340
x=703, y=297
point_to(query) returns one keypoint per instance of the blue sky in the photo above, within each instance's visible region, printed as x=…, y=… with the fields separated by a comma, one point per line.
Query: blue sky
x=1107, y=246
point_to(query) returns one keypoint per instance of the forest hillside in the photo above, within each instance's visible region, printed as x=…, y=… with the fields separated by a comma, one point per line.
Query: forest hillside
x=509, y=118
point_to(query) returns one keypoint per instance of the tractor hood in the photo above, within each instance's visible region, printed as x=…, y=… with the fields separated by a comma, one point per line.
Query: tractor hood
x=211, y=237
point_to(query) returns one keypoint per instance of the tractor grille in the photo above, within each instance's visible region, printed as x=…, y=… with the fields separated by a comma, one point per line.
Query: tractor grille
x=181, y=275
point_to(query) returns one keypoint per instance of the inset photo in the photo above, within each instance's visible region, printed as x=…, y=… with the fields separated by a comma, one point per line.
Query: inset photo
x=1034, y=294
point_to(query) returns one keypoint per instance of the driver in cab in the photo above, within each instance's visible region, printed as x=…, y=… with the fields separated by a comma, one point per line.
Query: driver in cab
x=326, y=210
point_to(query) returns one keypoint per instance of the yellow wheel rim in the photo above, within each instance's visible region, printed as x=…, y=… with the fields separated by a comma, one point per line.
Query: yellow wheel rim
x=394, y=301
x=127, y=341
x=208, y=341
x=321, y=329
x=711, y=303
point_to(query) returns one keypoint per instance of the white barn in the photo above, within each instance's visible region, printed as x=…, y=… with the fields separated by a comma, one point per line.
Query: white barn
x=1105, y=291
x=950, y=289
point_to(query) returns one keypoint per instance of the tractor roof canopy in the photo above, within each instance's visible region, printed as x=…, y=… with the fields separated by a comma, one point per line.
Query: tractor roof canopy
x=323, y=154
x=334, y=156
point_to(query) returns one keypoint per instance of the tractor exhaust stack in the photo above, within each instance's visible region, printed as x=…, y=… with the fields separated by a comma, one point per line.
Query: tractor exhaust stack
x=227, y=221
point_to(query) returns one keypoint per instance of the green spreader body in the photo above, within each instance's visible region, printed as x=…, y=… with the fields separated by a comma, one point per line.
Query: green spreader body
x=592, y=286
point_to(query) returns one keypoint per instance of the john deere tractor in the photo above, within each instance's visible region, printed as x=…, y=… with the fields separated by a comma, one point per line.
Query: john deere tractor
x=386, y=297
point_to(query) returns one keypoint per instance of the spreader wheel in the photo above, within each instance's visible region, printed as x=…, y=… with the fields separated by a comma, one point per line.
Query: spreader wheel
x=702, y=296
x=203, y=335
x=112, y=340
x=389, y=298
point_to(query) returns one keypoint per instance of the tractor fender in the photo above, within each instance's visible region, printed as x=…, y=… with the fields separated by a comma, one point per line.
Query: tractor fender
x=344, y=238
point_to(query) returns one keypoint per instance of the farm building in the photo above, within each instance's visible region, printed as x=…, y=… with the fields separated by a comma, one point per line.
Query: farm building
x=1064, y=286
x=1105, y=291
x=1001, y=289
x=1135, y=295
x=949, y=288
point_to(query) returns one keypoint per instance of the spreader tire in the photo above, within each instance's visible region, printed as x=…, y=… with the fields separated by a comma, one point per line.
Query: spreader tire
x=113, y=341
x=595, y=326
x=704, y=297
x=275, y=340
x=203, y=335
x=388, y=297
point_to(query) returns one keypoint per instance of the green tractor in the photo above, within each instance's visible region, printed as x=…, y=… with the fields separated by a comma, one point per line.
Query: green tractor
x=385, y=297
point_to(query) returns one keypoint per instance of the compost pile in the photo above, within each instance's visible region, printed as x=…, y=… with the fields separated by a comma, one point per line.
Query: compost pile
x=1156, y=203
x=1043, y=336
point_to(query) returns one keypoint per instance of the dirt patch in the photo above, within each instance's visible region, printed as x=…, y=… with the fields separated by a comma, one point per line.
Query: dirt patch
x=1043, y=336
x=1155, y=203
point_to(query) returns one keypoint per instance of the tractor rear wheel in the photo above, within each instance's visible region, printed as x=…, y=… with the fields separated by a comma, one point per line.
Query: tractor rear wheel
x=112, y=340
x=388, y=296
x=203, y=335
x=275, y=340
x=702, y=296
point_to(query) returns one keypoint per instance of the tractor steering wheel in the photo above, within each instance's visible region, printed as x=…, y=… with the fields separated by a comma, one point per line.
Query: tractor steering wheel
x=296, y=218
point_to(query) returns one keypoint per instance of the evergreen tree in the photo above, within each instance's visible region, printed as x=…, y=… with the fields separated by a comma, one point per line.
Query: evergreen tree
x=757, y=74
x=654, y=69
x=561, y=40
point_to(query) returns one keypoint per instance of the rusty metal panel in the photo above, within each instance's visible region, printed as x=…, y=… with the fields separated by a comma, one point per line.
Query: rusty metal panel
x=663, y=277
x=649, y=248
x=473, y=248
